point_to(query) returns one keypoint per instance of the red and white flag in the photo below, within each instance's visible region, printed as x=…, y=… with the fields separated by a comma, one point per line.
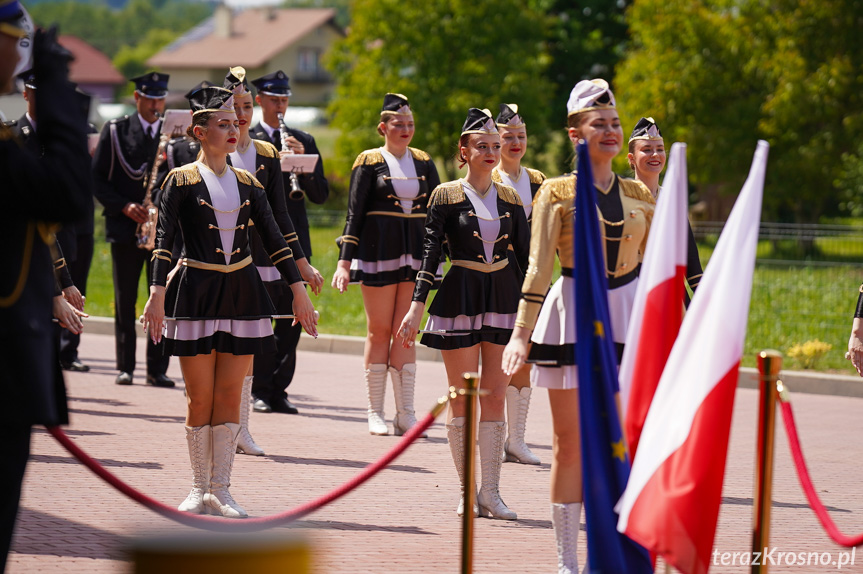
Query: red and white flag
x=671, y=502
x=658, y=307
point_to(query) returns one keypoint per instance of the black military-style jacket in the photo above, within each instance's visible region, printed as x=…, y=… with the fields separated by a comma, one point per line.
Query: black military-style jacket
x=54, y=187
x=372, y=192
x=121, y=167
x=315, y=185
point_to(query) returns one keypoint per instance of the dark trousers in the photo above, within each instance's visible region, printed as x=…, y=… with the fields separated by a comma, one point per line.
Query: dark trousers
x=274, y=371
x=79, y=269
x=128, y=262
x=16, y=451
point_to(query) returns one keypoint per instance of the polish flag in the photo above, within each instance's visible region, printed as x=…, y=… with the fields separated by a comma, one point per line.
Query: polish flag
x=671, y=502
x=658, y=308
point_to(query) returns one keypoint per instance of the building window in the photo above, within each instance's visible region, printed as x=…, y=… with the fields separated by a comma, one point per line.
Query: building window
x=310, y=62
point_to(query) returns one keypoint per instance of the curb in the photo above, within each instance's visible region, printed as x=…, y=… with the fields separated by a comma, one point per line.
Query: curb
x=809, y=382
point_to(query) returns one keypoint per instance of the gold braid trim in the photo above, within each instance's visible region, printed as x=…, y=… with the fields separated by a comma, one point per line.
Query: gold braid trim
x=560, y=188
x=508, y=194
x=369, y=157
x=184, y=175
x=495, y=176
x=419, y=154
x=265, y=149
x=447, y=194
x=246, y=178
x=535, y=175
x=27, y=254
x=636, y=190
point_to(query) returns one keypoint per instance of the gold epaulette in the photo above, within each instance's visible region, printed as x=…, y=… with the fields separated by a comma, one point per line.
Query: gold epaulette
x=636, y=190
x=6, y=133
x=508, y=194
x=265, y=149
x=246, y=178
x=447, y=194
x=535, y=175
x=419, y=154
x=559, y=188
x=495, y=176
x=369, y=157
x=184, y=175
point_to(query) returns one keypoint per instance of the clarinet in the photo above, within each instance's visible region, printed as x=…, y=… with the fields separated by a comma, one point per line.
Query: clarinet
x=145, y=232
x=296, y=192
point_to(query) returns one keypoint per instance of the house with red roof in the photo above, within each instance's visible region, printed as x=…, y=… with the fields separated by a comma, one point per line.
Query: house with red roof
x=92, y=70
x=261, y=40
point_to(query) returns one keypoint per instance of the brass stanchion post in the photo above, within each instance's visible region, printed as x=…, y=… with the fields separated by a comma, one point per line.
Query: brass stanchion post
x=471, y=391
x=769, y=365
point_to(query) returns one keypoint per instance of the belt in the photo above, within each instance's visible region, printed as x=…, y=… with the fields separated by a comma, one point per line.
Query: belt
x=481, y=267
x=613, y=282
x=397, y=214
x=230, y=268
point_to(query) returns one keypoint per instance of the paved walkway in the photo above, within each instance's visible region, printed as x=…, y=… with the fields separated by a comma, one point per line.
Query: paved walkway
x=404, y=519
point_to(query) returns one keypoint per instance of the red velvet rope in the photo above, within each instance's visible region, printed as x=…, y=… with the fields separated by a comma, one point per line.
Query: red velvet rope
x=248, y=524
x=806, y=482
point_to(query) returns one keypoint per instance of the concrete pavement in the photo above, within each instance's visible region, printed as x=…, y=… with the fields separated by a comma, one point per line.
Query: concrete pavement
x=404, y=519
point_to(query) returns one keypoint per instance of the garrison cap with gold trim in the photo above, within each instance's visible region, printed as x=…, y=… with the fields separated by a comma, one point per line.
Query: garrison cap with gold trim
x=152, y=85
x=13, y=21
x=212, y=99
x=589, y=95
x=509, y=117
x=396, y=104
x=275, y=84
x=646, y=129
x=235, y=81
x=479, y=122
x=198, y=86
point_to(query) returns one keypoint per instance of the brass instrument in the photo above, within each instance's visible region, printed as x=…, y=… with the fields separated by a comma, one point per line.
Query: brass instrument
x=145, y=232
x=296, y=193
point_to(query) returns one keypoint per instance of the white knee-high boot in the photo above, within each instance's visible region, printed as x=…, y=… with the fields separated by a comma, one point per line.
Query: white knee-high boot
x=566, y=520
x=517, y=404
x=404, y=381
x=455, y=436
x=200, y=444
x=376, y=387
x=245, y=442
x=219, y=500
x=491, y=438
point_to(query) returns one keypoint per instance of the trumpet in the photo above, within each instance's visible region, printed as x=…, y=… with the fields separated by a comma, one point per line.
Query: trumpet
x=296, y=193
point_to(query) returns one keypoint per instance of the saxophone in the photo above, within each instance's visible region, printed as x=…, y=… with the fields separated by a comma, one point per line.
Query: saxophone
x=296, y=192
x=145, y=232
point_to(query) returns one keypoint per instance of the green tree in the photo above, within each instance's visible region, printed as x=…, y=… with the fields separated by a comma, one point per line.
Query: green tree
x=719, y=74
x=131, y=61
x=446, y=57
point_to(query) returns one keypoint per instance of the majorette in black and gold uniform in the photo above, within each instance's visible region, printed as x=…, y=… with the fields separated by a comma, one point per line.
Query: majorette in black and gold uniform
x=388, y=199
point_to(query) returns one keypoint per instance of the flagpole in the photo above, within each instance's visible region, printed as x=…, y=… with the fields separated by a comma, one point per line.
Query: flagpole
x=471, y=392
x=769, y=365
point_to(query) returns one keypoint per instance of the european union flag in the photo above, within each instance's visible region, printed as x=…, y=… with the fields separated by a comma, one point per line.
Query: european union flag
x=604, y=460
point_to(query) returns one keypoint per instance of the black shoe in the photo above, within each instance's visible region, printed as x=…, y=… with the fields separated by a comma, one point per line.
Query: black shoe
x=124, y=378
x=160, y=381
x=261, y=406
x=283, y=405
x=75, y=365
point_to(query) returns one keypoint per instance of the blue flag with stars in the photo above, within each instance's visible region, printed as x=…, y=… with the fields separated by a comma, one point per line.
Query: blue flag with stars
x=604, y=460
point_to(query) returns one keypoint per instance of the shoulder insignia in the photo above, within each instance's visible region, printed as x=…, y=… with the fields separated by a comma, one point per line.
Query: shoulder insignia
x=246, y=178
x=265, y=149
x=369, y=157
x=184, y=175
x=10, y=123
x=508, y=194
x=447, y=194
x=559, y=188
x=636, y=190
x=495, y=176
x=419, y=154
x=535, y=175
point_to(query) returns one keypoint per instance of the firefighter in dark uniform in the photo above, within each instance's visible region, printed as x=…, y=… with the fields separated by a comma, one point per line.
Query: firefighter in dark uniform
x=74, y=240
x=274, y=372
x=121, y=167
x=54, y=187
